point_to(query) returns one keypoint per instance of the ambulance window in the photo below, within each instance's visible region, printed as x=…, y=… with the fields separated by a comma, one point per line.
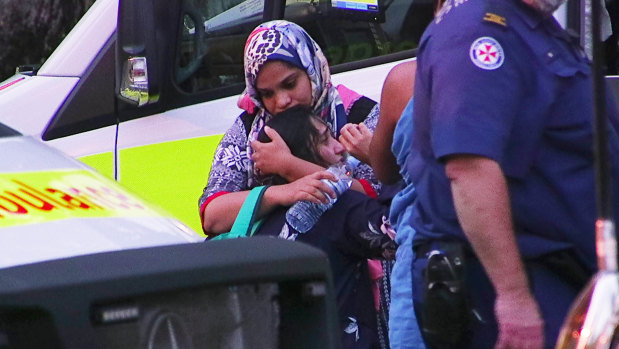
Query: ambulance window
x=6, y=131
x=213, y=36
x=91, y=103
x=354, y=30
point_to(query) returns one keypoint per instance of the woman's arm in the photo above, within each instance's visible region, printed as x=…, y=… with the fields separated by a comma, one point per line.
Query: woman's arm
x=397, y=91
x=275, y=158
x=300, y=168
x=228, y=176
x=307, y=188
x=220, y=213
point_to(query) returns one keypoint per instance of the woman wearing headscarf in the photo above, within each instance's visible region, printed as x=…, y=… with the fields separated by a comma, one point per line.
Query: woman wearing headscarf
x=284, y=67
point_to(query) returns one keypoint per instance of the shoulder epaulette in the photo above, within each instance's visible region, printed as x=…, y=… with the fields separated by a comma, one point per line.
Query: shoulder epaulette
x=494, y=14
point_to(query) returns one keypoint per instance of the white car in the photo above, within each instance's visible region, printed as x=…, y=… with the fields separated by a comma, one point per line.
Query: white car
x=52, y=206
x=84, y=263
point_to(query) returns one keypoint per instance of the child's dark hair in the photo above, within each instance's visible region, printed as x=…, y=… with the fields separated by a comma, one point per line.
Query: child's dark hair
x=297, y=129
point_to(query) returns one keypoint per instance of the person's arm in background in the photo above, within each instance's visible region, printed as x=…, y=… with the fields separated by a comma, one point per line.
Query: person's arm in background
x=481, y=199
x=356, y=138
x=397, y=91
x=376, y=149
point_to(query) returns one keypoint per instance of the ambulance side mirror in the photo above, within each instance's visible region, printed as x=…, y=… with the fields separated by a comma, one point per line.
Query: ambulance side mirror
x=138, y=78
x=613, y=81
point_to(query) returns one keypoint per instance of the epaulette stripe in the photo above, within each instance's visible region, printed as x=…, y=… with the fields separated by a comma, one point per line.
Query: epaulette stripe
x=494, y=18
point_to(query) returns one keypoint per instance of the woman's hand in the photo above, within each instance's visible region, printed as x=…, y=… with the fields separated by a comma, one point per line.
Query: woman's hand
x=308, y=188
x=270, y=158
x=356, y=139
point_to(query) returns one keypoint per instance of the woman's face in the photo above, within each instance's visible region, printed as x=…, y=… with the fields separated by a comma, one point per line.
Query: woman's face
x=329, y=149
x=282, y=86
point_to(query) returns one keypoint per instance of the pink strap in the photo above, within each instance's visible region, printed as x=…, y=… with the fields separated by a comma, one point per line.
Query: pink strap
x=348, y=96
x=245, y=103
x=375, y=269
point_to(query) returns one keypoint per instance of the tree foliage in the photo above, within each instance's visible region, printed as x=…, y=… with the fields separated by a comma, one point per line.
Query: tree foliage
x=31, y=29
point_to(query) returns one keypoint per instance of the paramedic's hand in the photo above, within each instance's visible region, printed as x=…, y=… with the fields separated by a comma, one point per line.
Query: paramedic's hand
x=520, y=323
x=270, y=157
x=308, y=188
x=356, y=139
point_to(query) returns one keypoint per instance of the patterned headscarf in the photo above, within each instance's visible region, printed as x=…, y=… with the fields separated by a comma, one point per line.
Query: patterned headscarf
x=286, y=41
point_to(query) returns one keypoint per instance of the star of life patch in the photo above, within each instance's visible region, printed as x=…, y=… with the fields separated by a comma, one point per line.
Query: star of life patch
x=486, y=53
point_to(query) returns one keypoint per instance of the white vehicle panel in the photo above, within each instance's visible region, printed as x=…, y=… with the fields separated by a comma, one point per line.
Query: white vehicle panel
x=216, y=117
x=29, y=105
x=198, y=120
x=26, y=154
x=367, y=81
x=39, y=234
x=72, y=237
x=87, y=143
x=78, y=50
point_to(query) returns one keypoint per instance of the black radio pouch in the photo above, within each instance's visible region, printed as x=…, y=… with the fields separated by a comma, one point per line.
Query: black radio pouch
x=446, y=312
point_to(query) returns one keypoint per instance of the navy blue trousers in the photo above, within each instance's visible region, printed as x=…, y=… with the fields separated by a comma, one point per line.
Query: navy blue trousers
x=554, y=296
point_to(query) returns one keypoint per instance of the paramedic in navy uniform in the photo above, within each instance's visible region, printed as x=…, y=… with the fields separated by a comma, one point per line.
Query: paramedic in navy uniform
x=502, y=161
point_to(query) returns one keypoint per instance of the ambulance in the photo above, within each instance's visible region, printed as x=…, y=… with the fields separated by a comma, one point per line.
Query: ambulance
x=84, y=263
x=52, y=206
x=143, y=90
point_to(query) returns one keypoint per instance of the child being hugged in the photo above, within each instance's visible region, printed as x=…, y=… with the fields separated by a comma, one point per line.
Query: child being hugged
x=349, y=233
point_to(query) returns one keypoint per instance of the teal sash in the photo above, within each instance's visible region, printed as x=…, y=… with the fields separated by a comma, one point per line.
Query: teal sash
x=245, y=223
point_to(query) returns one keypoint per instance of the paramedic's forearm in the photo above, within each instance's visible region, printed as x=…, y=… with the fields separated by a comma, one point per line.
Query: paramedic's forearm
x=483, y=207
x=482, y=204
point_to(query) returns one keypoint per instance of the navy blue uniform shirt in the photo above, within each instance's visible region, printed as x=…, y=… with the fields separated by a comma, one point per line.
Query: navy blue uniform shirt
x=497, y=79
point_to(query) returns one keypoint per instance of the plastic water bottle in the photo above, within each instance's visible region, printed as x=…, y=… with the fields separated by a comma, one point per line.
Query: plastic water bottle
x=303, y=215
